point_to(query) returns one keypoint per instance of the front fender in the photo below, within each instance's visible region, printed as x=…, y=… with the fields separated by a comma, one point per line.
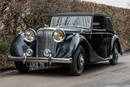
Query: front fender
x=18, y=46
x=68, y=47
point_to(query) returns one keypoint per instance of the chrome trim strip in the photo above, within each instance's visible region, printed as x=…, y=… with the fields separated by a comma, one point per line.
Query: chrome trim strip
x=102, y=33
x=102, y=30
x=65, y=30
x=36, y=47
x=41, y=59
x=97, y=31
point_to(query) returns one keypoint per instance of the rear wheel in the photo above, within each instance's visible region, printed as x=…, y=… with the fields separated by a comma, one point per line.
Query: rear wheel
x=78, y=62
x=114, y=59
x=21, y=67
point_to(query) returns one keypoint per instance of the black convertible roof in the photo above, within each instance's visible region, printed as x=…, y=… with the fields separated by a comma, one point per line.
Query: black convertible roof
x=79, y=14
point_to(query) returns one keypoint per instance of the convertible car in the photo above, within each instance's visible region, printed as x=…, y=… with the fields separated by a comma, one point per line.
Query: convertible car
x=74, y=39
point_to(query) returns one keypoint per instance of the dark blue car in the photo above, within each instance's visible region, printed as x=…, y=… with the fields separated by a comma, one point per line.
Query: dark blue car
x=72, y=39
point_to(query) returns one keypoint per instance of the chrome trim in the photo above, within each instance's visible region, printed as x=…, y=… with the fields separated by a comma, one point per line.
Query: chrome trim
x=85, y=31
x=59, y=29
x=36, y=47
x=41, y=59
x=102, y=30
x=102, y=33
x=65, y=30
x=34, y=33
x=47, y=42
x=30, y=51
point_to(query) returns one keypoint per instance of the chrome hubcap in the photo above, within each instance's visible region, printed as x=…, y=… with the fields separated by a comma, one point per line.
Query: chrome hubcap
x=81, y=61
x=116, y=55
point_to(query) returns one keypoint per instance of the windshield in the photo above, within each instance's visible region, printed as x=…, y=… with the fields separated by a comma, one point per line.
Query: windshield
x=82, y=21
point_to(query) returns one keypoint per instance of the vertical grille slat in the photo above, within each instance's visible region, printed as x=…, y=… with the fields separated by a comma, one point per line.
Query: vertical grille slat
x=45, y=41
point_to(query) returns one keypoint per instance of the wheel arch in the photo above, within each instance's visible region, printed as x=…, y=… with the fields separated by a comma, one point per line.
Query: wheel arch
x=70, y=45
x=115, y=40
x=85, y=45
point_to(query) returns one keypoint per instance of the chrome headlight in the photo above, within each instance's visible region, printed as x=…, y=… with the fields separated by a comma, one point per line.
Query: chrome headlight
x=58, y=35
x=30, y=35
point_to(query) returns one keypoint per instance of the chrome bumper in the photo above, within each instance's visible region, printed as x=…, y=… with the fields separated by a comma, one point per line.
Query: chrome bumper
x=40, y=59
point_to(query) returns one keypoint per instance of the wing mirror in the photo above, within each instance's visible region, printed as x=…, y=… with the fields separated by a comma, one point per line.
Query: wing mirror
x=46, y=25
x=85, y=31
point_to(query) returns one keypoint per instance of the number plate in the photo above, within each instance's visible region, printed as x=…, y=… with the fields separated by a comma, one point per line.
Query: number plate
x=38, y=65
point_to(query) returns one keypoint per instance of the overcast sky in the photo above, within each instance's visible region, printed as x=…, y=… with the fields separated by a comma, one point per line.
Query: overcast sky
x=117, y=3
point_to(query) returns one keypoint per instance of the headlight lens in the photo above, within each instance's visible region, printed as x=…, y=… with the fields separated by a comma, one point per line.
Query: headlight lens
x=30, y=35
x=58, y=35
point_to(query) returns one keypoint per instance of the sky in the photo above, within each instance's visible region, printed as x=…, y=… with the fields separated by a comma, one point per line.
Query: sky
x=117, y=3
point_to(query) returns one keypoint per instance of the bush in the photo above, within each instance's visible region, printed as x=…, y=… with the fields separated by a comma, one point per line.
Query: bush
x=3, y=47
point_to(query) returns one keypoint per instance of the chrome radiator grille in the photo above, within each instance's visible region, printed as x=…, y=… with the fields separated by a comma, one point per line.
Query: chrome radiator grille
x=45, y=41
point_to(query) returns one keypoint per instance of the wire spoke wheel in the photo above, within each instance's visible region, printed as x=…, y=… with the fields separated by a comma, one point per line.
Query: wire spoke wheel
x=115, y=56
x=80, y=61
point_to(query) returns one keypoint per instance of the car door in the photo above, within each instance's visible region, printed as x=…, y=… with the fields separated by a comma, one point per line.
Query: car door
x=99, y=37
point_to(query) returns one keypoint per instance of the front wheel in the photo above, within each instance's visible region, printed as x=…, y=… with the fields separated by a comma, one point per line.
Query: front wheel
x=78, y=62
x=21, y=67
x=114, y=59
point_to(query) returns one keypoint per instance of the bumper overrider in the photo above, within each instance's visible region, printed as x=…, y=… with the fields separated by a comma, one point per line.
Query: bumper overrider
x=41, y=59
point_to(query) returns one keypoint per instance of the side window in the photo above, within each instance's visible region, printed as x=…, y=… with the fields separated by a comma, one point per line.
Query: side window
x=109, y=25
x=98, y=22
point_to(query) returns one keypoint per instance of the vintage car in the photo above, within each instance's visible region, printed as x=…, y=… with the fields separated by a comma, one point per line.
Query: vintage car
x=74, y=39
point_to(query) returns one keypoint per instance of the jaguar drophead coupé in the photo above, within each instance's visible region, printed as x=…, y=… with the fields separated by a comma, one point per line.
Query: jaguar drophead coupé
x=73, y=39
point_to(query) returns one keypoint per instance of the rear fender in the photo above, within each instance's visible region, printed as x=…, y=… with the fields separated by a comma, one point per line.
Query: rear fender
x=115, y=39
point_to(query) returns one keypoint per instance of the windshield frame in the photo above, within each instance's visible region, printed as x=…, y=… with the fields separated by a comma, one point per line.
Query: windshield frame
x=90, y=19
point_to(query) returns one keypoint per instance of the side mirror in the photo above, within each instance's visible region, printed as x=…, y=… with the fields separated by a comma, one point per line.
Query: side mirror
x=46, y=25
x=96, y=30
x=85, y=31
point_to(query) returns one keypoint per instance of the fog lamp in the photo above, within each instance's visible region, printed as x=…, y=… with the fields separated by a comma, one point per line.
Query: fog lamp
x=29, y=52
x=47, y=52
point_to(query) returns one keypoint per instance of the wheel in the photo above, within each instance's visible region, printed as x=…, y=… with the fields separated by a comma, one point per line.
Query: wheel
x=78, y=62
x=21, y=67
x=114, y=59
